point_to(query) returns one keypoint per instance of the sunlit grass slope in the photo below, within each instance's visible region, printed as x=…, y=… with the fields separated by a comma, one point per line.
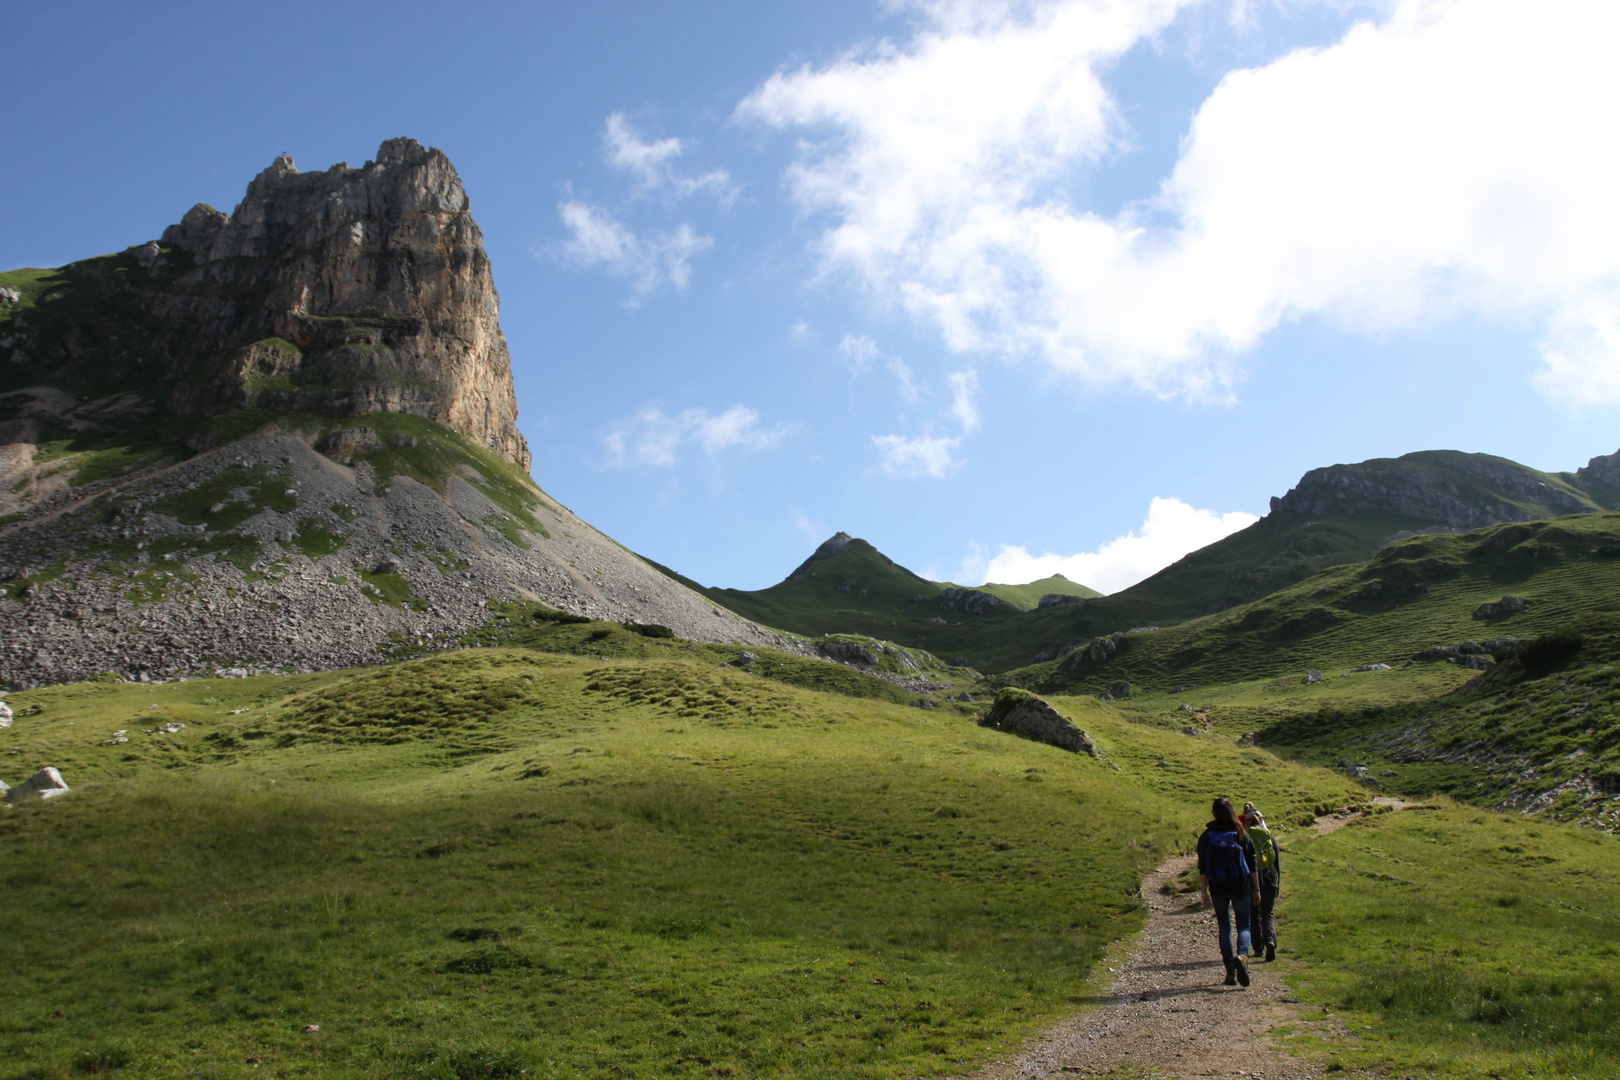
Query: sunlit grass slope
x=1452, y=943
x=503, y=860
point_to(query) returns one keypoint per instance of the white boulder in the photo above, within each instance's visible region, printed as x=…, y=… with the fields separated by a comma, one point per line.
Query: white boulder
x=5, y=715
x=45, y=784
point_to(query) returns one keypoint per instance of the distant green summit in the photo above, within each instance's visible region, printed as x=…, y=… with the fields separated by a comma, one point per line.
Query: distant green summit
x=1335, y=515
x=849, y=586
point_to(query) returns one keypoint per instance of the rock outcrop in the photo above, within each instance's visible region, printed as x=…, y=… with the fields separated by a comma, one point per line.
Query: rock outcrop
x=1454, y=490
x=335, y=293
x=973, y=601
x=1022, y=713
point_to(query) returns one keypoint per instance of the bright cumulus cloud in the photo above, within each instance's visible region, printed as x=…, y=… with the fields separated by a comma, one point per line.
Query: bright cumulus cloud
x=1172, y=529
x=1458, y=157
x=902, y=456
x=656, y=439
x=648, y=260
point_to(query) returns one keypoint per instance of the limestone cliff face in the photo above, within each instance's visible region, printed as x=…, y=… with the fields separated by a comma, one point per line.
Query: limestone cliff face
x=1461, y=491
x=343, y=292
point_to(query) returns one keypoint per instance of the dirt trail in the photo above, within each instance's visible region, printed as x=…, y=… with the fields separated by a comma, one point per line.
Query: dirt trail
x=1166, y=1014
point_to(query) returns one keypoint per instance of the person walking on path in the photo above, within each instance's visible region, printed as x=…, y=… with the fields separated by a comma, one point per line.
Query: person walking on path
x=1230, y=884
x=1263, y=926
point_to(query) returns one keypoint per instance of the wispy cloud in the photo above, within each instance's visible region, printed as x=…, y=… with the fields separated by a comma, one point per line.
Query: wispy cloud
x=653, y=164
x=903, y=456
x=1171, y=530
x=598, y=240
x=862, y=351
x=810, y=528
x=1446, y=158
x=965, y=399
x=655, y=439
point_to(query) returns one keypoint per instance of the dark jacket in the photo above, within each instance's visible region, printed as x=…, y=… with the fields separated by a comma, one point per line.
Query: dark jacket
x=1223, y=888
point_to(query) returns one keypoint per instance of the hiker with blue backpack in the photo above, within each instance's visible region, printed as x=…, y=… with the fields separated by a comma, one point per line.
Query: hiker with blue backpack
x=1264, y=924
x=1230, y=884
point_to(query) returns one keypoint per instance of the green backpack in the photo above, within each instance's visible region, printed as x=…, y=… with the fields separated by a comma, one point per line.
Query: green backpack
x=1265, y=848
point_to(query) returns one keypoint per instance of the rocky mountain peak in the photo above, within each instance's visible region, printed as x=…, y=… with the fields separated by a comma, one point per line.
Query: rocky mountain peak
x=830, y=547
x=336, y=293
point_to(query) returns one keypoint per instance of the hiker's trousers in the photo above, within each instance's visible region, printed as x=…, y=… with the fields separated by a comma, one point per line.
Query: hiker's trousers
x=1227, y=910
x=1263, y=926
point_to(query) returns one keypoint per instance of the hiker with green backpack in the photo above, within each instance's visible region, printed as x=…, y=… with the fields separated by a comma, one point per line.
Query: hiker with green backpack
x=1230, y=884
x=1263, y=924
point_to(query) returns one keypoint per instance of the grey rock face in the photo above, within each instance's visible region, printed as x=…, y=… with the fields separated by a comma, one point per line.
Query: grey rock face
x=349, y=442
x=1118, y=690
x=1312, y=677
x=335, y=293
x=1053, y=599
x=1023, y=713
x=1460, y=491
x=1095, y=651
x=1505, y=606
x=846, y=652
x=973, y=601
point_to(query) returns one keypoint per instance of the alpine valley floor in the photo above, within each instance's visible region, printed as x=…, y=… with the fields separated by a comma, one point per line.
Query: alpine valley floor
x=651, y=862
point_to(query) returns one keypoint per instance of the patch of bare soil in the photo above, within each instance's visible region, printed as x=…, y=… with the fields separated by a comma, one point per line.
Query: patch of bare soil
x=1165, y=1014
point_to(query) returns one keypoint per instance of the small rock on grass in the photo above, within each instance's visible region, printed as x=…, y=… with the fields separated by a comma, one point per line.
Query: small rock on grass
x=45, y=784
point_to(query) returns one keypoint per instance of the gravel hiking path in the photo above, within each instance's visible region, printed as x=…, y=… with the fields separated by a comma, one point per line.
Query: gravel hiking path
x=1164, y=1014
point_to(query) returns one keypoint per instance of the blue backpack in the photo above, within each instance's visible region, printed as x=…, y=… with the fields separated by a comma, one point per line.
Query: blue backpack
x=1223, y=858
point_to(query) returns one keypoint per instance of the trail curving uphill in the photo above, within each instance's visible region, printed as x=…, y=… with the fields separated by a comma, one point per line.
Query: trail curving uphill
x=1166, y=1015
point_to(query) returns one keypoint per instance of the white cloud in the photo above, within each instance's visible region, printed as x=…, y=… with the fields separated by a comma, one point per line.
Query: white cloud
x=598, y=240
x=800, y=331
x=862, y=351
x=920, y=455
x=965, y=399
x=1461, y=157
x=1172, y=529
x=653, y=163
x=655, y=439
x=811, y=529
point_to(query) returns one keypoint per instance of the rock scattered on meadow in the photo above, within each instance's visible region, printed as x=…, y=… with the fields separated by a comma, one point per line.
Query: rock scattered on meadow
x=45, y=784
x=1023, y=713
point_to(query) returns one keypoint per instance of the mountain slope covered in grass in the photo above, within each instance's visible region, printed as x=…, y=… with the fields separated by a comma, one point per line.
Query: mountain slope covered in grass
x=1335, y=516
x=505, y=860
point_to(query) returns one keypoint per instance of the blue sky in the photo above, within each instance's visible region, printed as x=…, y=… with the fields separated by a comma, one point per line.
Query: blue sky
x=1004, y=286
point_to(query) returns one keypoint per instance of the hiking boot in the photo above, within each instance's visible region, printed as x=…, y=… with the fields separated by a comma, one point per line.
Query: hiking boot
x=1231, y=978
x=1241, y=970
x=1271, y=952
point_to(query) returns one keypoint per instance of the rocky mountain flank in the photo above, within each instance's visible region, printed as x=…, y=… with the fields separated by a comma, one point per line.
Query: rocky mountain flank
x=1454, y=490
x=285, y=438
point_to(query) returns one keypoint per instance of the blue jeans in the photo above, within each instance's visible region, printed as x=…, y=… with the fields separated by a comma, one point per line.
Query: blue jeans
x=1226, y=909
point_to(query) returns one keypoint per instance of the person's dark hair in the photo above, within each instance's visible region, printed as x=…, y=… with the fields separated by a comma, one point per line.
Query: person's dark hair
x=1228, y=818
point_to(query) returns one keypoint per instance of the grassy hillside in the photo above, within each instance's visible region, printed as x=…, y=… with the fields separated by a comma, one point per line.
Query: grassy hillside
x=1340, y=515
x=1028, y=595
x=506, y=860
x=1414, y=594
x=1452, y=943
